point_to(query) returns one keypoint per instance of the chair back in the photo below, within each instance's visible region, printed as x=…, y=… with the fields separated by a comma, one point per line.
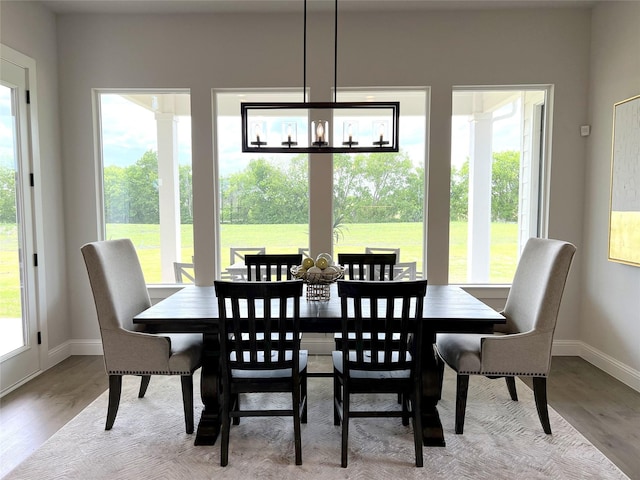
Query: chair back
x=383, y=250
x=405, y=271
x=390, y=312
x=258, y=323
x=117, y=282
x=184, y=271
x=534, y=299
x=368, y=266
x=265, y=267
x=237, y=254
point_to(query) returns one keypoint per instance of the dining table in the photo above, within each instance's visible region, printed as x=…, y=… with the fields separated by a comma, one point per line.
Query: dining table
x=447, y=308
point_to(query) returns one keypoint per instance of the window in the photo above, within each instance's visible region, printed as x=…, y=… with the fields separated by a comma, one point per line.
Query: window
x=264, y=198
x=497, y=155
x=146, y=176
x=379, y=198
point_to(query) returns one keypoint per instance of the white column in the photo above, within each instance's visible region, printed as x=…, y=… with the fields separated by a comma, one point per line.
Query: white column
x=168, y=185
x=479, y=226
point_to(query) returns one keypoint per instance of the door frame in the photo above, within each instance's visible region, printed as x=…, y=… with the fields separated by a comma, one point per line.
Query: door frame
x=35, y=232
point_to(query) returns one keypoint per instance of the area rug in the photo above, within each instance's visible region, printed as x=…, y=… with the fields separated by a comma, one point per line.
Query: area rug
x=502, y=440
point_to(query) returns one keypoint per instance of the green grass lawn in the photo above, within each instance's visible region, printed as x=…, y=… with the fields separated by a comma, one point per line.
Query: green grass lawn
x=282, y=239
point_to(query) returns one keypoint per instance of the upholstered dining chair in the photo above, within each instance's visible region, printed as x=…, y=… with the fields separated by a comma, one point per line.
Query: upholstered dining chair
x=267, y=266
x=258, y=324
x=521, y=347
x=120, y=293
x=391, y=311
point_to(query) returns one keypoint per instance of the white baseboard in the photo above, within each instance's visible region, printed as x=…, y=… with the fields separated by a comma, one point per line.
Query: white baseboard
x=604, y=362
x=566, y=348
x=613, y=367
x=86, y=347
x=58, y=354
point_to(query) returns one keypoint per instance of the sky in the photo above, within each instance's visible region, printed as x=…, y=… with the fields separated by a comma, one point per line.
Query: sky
x=6, y=128
x=128, y=131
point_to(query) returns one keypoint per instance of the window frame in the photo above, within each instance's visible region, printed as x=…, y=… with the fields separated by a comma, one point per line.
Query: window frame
x=542, y=179
x=96, y=93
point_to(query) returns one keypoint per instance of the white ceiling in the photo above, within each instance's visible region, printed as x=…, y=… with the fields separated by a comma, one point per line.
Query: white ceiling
x=225, y=6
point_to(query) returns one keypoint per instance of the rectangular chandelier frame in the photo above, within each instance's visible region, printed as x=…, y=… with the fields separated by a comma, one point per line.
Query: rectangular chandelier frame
x=386, y=142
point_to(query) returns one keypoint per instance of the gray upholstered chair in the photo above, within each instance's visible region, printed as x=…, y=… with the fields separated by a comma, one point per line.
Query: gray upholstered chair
x=120, y=293
x=521, y=347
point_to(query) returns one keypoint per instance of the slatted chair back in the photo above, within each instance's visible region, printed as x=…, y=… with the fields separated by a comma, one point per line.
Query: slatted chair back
x=260, y=352
x=389, y=311
x=272, y=266
x=258, y=322
x=368, y=266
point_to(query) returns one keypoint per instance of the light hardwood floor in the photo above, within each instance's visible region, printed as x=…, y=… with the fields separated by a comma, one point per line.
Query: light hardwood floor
x=603, y=409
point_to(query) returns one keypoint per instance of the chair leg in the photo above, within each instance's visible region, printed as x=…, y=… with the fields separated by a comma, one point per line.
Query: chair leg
x=337, y=398
x=296, y=425
x=406, y=414
x=511, y=386
x=540, y=395
x=303, y=397
x=345, y=425
x=235, y=405
x=225, y=427
x=115, y=388
x=187, y=401
x=417, y=426
x=144, y=383
x=461, y=401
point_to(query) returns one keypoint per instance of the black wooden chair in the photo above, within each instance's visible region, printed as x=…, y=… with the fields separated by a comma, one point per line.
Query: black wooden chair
x=266, y=267
x=380, y=310
x=258, y=322
x=367, y=266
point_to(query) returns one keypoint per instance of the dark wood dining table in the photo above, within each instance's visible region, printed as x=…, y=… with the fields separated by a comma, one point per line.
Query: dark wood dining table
x=195, y=309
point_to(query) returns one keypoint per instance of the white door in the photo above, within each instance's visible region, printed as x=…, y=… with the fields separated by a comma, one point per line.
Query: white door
x=19, y=351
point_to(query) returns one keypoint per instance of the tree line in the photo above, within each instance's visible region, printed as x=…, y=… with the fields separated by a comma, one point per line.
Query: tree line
x=368, y=188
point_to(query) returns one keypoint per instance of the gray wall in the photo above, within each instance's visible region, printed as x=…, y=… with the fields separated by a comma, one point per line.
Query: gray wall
x=435, y=48
x=610, y=322
x=439, y=49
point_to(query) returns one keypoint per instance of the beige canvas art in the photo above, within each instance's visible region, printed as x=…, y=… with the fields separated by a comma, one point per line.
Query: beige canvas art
x=624, y=223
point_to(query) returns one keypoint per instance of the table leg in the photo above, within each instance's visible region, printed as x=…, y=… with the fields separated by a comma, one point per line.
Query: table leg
x=432, y=376
x=209, y=426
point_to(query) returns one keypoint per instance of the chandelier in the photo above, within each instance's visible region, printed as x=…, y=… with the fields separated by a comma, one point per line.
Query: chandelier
x=335, y=127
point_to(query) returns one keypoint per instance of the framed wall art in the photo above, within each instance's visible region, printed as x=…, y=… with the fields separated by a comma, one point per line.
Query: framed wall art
x=624, y=214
